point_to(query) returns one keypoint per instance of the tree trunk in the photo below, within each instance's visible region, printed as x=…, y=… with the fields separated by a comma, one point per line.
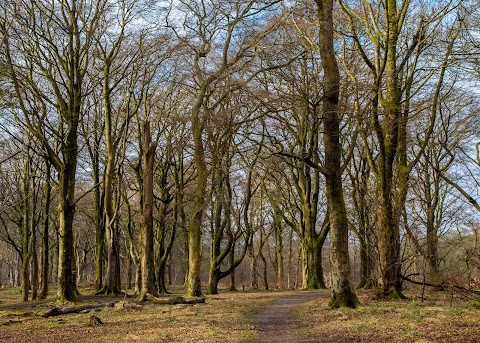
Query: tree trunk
x=432, y=248
x=433, y=202
x=99, y=227
x=162, y=257
x=112, y=281
x=33, y=241
x=66, y=289
x=165, y=243
x=169, y=270
x=46, y=218
x=289, y=262
x=129, y=271
x=231, y=260
x=279, y=252
x=148, y=257
x=25, y=229
x=34, y=258
x=195, y=226
x=264, y=269
x=221, y=226
x=387, y=218
x=342, y=292
x=312, y=271
x=179, y=206
x=253, y=266
x=133, y=252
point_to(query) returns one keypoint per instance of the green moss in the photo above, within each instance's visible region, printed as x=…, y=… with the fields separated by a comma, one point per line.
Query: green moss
x=475, y=304
x=347, y=298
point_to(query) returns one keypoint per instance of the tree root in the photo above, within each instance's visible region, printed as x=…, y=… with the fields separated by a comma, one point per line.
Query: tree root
x=347, y=298
x=108, y=291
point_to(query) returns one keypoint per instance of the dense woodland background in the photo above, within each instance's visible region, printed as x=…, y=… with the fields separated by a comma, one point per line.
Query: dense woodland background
x=191, y=141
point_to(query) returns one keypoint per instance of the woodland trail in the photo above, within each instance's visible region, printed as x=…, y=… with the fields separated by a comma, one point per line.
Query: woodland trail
x=278, y=322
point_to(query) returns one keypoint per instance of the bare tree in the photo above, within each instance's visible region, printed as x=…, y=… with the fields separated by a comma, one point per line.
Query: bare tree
x=54, y=53
x=204, y=25
x=394, y=64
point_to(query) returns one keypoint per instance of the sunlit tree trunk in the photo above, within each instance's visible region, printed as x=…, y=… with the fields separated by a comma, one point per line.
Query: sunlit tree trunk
x=112, y=279
x=342, y=291
x=199, y=202
x=148, y=257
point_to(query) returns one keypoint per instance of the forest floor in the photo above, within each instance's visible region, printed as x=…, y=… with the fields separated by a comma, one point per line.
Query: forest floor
x=261, y=316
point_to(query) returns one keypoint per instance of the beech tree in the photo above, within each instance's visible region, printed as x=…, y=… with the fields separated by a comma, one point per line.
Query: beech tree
x=206, y=24
x=92, y=129
x=45, y=266
x=53, y=53
x=114, y=68
x=342, y=291
x=248, y=128
x=394, y=62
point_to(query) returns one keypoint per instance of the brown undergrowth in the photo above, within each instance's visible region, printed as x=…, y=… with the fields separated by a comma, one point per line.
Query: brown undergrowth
x=227, y=317
x=222, y=318
x=438, y=318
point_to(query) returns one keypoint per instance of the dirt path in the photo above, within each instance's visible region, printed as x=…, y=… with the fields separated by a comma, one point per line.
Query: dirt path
x=278, y=323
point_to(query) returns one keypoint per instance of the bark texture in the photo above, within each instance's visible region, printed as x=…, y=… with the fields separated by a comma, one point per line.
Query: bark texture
x=148, y=257
x=342, y=292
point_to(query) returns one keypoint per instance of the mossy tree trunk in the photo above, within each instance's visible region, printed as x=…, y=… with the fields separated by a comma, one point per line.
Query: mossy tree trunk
x=311, y=241
x=199, y=202
x=342, y=291
x=399, y=73
x=62, y=55
x=264, y=260
x=388, y=233
x=66, y=288
x=311, y=245
x=304, y=176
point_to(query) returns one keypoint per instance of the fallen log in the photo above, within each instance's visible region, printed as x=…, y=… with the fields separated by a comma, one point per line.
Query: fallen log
x=174, y=300
x=441, y=286
x=57, y=311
